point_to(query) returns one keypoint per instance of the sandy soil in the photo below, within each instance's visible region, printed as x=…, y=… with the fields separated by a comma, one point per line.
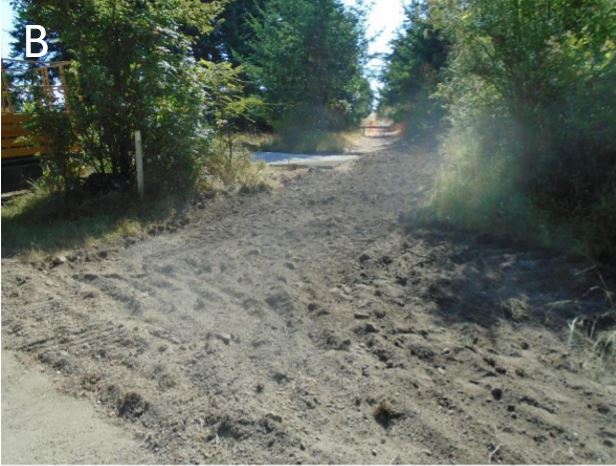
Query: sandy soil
x=307, y=325
x=40, y=425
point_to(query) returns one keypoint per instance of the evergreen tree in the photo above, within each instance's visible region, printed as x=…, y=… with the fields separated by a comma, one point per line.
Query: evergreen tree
x=414, y=69
x=230, y=37
x=307, y=60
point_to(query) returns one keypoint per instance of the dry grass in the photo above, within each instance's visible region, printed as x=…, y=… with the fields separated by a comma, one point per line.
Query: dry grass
x=595, y=335
x=41, y=223
x=238, y=170
x=605, y=344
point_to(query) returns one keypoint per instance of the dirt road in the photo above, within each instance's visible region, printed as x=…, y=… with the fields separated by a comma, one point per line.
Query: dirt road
x=305, y=325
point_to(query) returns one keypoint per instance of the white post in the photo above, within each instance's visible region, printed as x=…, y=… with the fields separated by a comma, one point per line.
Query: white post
x=139, y=162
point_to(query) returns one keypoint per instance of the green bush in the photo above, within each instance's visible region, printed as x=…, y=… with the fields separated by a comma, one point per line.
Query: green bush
x=131, y=69
x=531, y=100
x=51, y=130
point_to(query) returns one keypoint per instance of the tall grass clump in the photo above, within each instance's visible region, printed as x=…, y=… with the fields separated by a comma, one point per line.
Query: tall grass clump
x=234, y=170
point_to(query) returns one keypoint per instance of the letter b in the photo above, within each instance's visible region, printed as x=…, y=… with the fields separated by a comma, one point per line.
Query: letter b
x=39, y=39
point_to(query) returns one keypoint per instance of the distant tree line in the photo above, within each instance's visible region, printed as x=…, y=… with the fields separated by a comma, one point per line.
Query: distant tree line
x=413, y=70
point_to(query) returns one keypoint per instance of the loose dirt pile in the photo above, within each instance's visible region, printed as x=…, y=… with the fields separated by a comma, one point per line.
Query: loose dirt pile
x=305, y=325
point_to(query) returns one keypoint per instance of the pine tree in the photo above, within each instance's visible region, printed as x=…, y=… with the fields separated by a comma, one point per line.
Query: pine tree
x=414, y=69
x=307, y=60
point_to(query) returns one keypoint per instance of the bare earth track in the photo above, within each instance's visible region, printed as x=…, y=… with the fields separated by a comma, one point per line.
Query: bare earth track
x=305, y=325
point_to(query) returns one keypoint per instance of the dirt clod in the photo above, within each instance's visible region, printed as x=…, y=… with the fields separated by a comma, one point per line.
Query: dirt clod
x=385, y=414
x=132, y=405
x=370, y=328
x=224, y=337
x=58, y=260
x=497, y=394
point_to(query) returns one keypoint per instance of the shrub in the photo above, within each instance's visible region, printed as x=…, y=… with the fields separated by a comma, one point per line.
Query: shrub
x=52, y=131
x=532, y=148
x=236, y=171
x=131, y=69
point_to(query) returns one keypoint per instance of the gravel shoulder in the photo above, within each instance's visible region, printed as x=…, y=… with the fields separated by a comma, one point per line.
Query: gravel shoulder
x=309, y=325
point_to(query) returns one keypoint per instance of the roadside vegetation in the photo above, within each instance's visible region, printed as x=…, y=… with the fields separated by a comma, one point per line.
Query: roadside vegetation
x=413, y=72
x=521, y=96
x=42, y=222
x=202, y=81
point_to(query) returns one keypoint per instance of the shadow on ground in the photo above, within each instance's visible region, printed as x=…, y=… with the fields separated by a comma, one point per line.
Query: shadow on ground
x=47, y=223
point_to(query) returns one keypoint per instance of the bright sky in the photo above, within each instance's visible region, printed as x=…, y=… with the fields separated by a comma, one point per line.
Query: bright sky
x=6, y=23
x=385, y=18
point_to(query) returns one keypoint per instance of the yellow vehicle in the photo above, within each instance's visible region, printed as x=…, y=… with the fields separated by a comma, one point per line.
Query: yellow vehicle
x=20, y=80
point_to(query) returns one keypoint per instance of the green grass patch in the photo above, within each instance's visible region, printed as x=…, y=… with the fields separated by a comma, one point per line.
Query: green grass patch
x=41, y=221
x=44, y=221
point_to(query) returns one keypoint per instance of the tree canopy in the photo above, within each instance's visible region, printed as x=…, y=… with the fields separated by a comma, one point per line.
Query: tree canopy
x=414, y=68
x=307, y=61
x=229, y=40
